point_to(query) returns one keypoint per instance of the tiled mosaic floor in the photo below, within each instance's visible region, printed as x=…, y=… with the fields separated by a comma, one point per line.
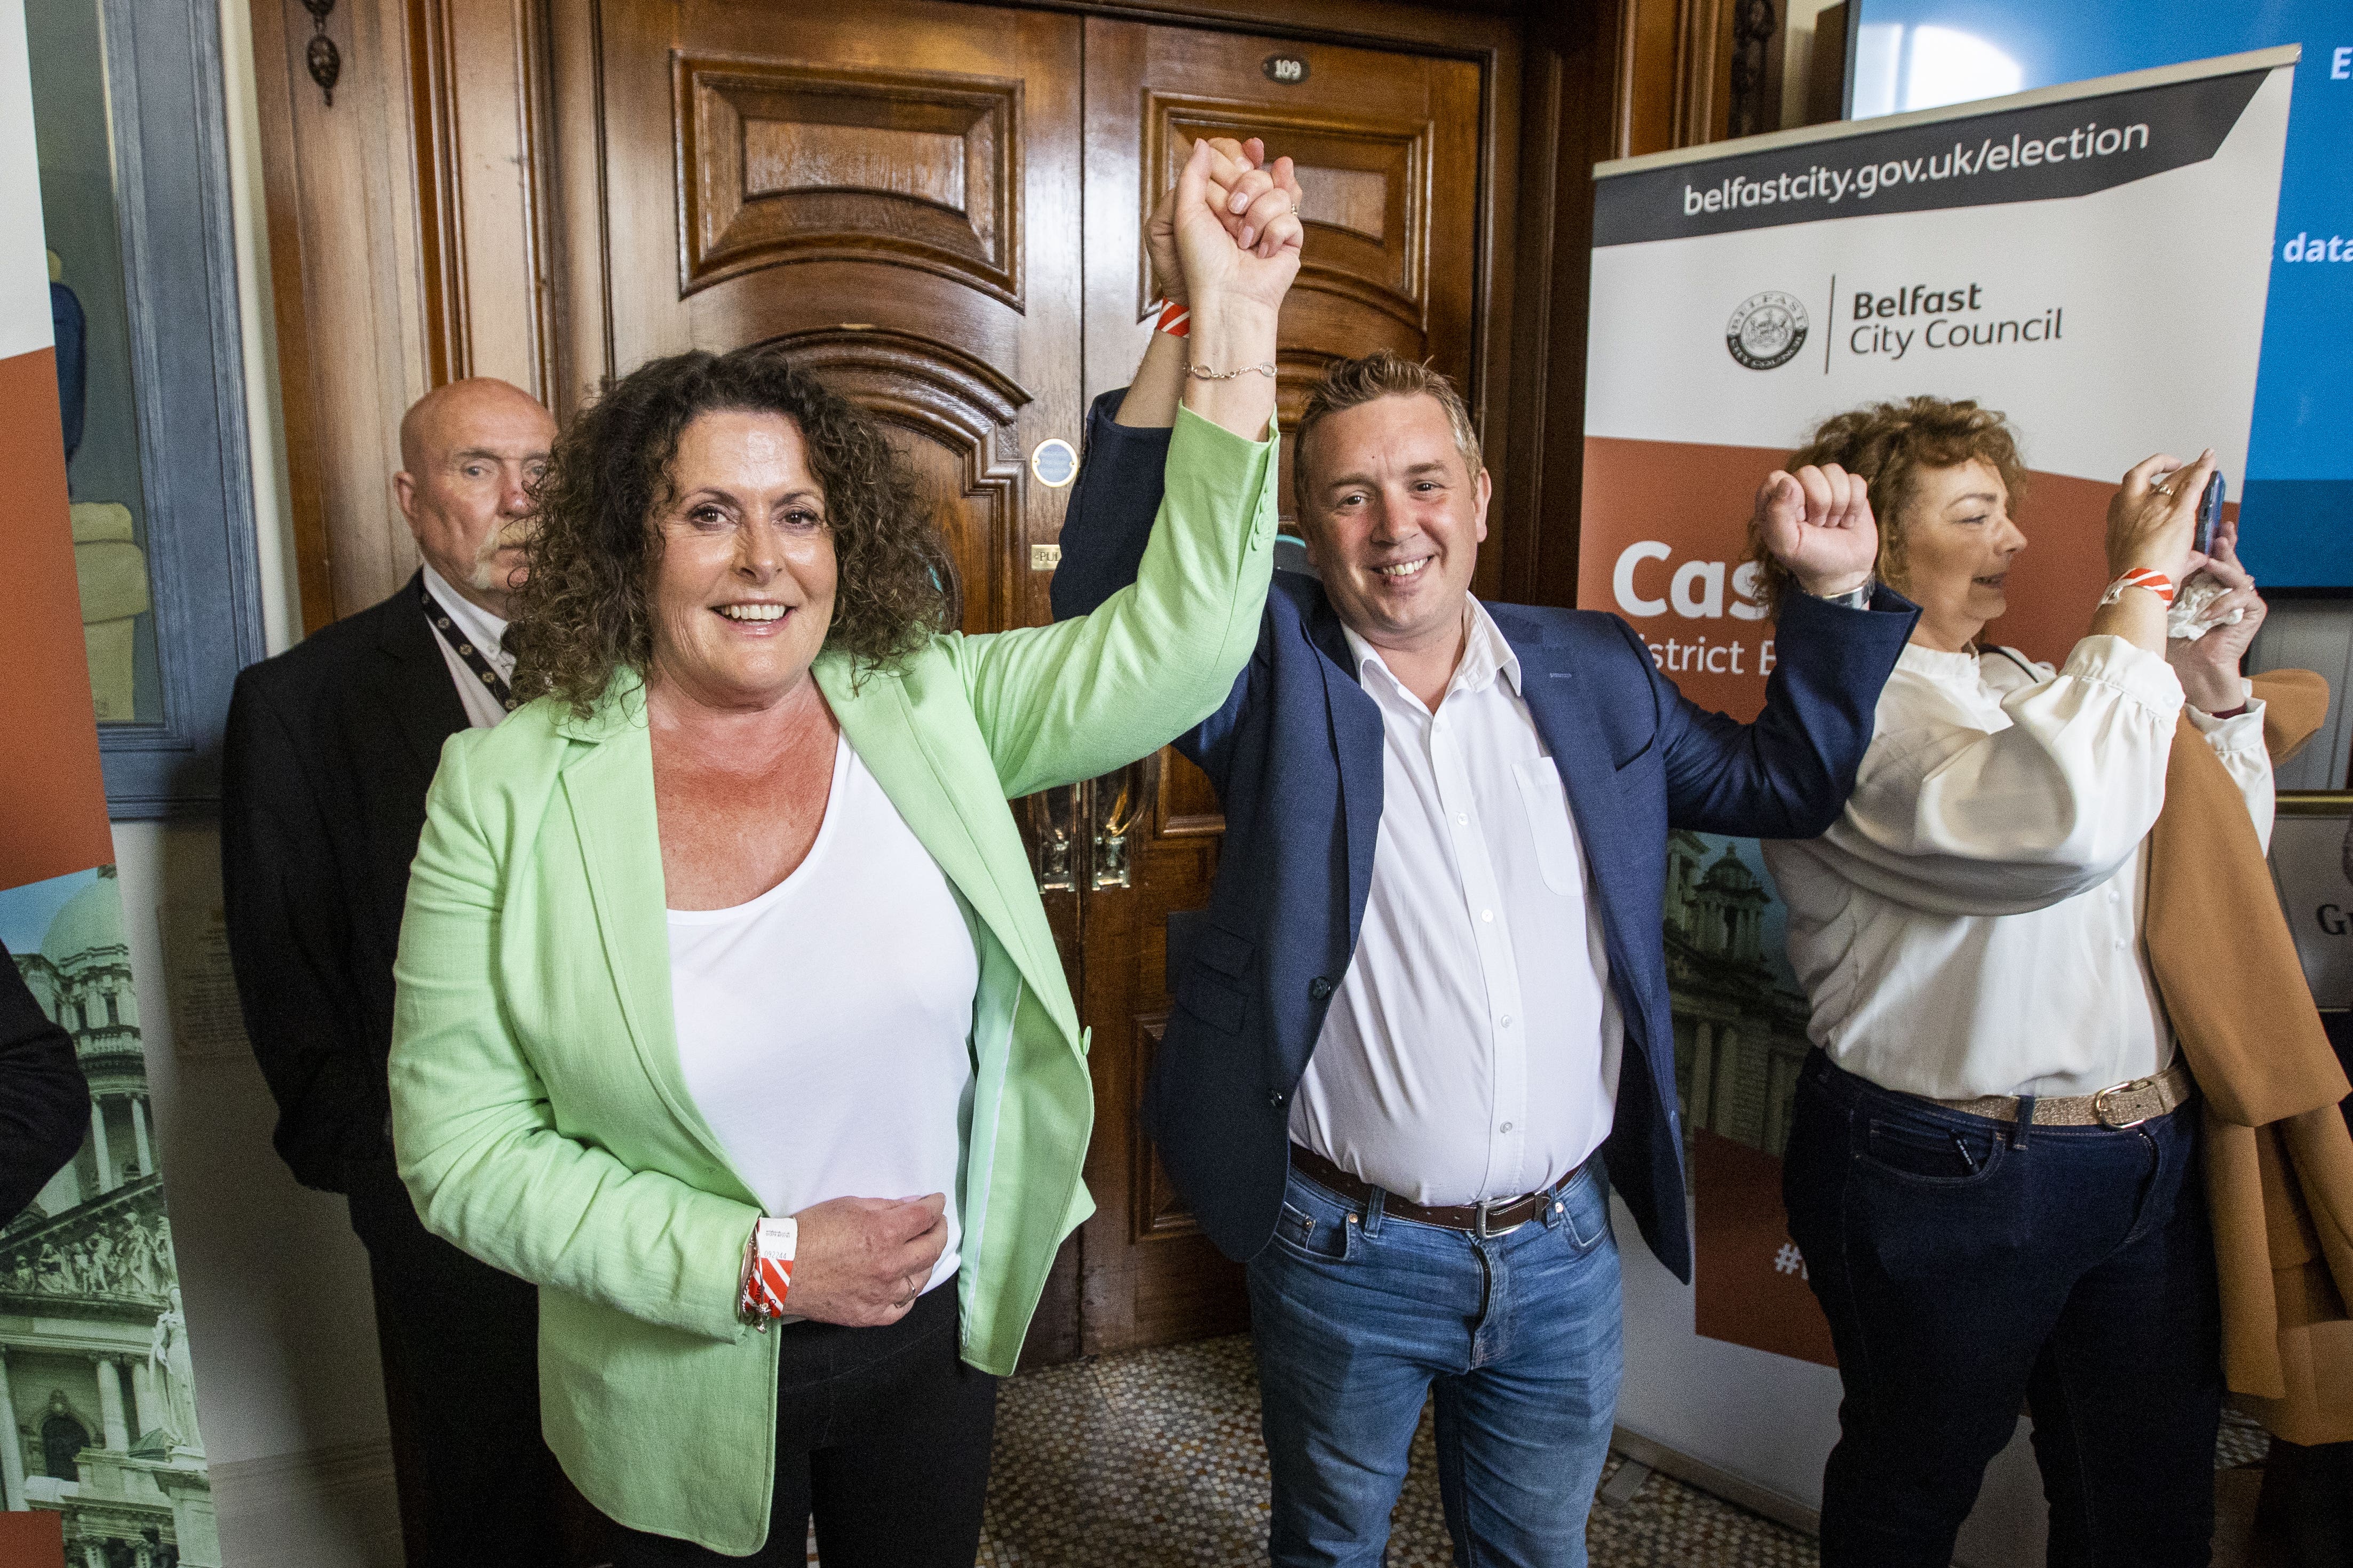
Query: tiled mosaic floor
x=1153, y=1460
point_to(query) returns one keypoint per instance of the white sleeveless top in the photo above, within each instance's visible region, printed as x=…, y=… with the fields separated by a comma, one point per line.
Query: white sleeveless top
x=823, y=1027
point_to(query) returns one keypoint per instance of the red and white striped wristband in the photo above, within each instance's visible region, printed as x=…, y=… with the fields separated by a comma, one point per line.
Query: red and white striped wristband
x=767, y=1270
x=2156, y=582
x=1176, y=319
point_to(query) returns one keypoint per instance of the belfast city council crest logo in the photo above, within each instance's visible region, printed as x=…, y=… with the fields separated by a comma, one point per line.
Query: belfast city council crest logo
x=1768, y=330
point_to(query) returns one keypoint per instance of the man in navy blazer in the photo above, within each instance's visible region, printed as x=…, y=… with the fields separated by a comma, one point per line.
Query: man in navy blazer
x=1430, y=985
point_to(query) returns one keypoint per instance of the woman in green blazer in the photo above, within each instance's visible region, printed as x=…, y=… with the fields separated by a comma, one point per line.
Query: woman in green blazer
x=728, y=945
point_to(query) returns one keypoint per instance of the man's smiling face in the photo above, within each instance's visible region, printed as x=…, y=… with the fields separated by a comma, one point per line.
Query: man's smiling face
x=1393, y=517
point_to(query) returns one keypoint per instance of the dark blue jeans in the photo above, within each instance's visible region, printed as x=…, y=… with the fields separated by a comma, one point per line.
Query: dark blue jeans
x=1967, y=1266
x=1357, y=1315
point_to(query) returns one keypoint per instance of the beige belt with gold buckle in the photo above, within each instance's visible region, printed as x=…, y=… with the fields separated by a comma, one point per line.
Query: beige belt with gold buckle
x=2119, y=1105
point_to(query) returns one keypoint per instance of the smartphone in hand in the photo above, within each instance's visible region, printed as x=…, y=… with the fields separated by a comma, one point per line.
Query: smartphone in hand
x=2210, y=514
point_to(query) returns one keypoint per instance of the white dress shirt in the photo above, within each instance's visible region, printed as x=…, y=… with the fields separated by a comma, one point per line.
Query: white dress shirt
x=484, y=630
x=1971, y=924
x=823, y=1027
x=1471, y=1049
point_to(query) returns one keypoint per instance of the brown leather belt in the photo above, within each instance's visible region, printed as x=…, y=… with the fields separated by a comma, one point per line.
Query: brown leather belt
x=1493, y=1217
x=2118, y=1105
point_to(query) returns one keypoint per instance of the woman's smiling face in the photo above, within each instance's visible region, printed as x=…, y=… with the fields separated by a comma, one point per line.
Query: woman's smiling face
x=1958, y=544
x=744, y=594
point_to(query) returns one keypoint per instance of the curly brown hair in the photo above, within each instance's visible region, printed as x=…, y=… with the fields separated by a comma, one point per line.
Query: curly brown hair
x=1888, y=444
x=584, y=610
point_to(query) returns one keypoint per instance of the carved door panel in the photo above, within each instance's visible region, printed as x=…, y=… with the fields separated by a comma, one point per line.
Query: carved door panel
x=1395, y=198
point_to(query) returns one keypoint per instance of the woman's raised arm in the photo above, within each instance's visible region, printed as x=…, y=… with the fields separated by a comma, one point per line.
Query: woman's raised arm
x=1080, y=697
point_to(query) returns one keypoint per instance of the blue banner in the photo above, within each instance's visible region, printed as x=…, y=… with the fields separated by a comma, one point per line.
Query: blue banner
x=2296, y=496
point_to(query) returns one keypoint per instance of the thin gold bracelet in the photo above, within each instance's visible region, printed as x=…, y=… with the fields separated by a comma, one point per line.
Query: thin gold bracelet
x=1205, y=373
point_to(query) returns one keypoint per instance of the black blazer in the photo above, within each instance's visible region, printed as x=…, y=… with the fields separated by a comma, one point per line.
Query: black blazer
x=43, y=1103
x=332, y=746
x=1296, y=755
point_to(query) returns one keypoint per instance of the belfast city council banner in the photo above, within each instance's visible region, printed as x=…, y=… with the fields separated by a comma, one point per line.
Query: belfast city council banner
x=2090, y=259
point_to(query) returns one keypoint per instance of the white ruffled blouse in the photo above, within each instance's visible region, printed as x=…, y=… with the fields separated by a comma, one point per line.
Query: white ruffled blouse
x=1971, y=924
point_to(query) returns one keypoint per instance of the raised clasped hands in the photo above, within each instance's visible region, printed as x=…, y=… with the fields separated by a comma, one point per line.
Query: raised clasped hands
x=1233, y=226
x=1817, y=523
x=1253, y=198
x=1230, y=248
x=862, y=1262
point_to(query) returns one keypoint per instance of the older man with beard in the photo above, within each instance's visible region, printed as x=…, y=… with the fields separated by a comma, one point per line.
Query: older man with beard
x=331, y=748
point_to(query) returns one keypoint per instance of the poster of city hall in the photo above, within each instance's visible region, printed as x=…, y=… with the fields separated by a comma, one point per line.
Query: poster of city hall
x=102, y=1458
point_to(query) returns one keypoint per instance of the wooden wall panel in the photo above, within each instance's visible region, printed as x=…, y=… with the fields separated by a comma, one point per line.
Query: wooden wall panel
x=479, y=106
x=1609, y=78
x=405, y=247
x=1702, y=80
x=347, y=290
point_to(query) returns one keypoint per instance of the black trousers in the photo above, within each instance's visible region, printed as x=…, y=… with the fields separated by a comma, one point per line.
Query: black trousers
x=882, y=1433
x=468, y=1337
x=1966, y=1264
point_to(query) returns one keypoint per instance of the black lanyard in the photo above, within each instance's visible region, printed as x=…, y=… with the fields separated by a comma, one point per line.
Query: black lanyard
x=465, y=650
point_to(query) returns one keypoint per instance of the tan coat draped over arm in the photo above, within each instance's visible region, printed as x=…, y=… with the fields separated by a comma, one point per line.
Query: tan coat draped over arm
x=2279, y=1160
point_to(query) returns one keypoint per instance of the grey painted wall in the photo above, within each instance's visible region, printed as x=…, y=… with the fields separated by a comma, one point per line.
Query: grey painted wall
x=2316, y=635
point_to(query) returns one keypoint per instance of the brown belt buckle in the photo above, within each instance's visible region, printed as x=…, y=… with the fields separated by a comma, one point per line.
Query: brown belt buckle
x=1486, y=1205
x=2100, y=1104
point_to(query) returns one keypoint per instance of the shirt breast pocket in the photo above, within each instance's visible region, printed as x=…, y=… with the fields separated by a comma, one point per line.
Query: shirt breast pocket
x=1547, y=804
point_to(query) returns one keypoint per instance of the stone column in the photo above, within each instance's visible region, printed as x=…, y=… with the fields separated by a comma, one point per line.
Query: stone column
x=139, y=1131
x=143, y=1403
x=12, y=1446
x=110, y=1404
x=107, y=1180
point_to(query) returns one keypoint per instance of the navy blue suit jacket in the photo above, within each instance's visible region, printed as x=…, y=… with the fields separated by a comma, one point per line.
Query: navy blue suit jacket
x=1296, y=755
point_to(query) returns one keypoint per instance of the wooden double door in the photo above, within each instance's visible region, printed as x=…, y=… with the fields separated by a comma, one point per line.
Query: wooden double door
x=939, y=206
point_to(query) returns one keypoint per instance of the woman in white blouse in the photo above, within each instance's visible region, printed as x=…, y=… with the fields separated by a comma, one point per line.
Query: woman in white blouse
x=1989, y=1164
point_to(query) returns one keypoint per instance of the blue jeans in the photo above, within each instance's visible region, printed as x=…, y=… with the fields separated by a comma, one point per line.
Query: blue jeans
x=1355, y=1314
x=1967, y=1266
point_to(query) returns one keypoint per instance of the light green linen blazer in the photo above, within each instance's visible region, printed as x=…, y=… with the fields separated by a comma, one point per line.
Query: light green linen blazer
x=541, y=1117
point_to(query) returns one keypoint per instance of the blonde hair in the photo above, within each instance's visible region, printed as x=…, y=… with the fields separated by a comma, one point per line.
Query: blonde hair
x=1887, y=443
x=1352, y=382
